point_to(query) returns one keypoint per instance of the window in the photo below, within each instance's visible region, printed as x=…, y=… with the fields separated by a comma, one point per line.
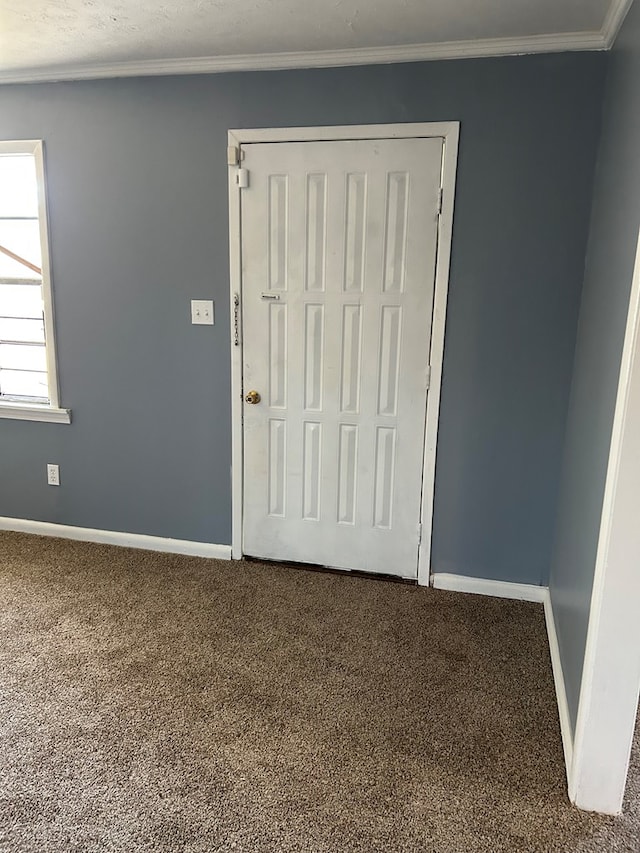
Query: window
x=28, y=377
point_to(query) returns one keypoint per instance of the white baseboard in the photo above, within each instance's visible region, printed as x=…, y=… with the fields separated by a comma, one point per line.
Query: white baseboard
x=496, y=589
x=566, y=729
x=112, y=537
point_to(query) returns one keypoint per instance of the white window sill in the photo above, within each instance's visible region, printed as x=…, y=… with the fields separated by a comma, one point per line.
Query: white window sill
x=35, y=412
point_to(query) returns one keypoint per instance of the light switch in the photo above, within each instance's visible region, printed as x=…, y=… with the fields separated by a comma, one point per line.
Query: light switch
x=202, y=312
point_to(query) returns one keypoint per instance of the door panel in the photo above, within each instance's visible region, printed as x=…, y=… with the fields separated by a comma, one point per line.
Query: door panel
x=339, y=244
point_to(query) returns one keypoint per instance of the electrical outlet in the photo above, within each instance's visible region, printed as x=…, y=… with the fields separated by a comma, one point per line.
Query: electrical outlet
x=53, y=475
x=202, y=312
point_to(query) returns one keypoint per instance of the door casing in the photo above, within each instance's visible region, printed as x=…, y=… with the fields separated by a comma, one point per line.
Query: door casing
x=449, y=132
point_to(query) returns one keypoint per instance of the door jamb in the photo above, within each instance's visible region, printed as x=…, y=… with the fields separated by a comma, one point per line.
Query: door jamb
x=449, y=132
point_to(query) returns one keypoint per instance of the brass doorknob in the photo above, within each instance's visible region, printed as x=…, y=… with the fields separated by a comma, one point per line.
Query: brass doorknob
x=253, y=397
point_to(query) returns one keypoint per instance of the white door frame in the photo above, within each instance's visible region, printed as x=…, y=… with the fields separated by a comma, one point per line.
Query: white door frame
x=449, y=132
x=610, y=682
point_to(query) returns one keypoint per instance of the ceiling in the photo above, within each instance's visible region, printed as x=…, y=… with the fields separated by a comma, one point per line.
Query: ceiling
x=76, y=39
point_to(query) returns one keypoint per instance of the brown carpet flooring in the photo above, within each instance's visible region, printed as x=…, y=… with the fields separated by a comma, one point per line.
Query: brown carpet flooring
x=158, y=703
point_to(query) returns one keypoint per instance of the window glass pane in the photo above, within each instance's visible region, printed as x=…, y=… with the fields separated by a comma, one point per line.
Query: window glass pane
x=22, y=237
x=19, y=357
x=23, y=354
x=18, y=185
x=17, y=383
x=21, y=300
x=27, y=331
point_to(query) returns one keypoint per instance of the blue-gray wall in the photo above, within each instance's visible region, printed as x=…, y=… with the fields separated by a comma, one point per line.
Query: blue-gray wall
x=138, y=216
x=603, y=315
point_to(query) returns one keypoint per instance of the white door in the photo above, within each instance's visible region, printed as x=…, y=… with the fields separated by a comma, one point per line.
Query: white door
x=339, y=244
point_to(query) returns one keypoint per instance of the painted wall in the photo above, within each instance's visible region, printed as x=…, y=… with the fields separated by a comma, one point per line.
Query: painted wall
x=603, y=315
x=138, y=214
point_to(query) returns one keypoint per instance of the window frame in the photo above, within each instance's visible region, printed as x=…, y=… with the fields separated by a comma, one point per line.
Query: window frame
x=51, y=411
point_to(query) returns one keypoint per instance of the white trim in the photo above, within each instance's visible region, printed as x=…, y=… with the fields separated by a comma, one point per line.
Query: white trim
x=47, y=285
x=431, y=51
x=495, y=589
x=111, y=537
x=599, y=641
x=19, y=146
x=451, y=135
x=449, y=132
x=559, y=682
x=235, y=283
x=35, y=412
x=328, y=133
x=614, y=20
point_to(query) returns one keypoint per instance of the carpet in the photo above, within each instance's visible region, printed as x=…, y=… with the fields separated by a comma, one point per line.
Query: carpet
x=153, y=702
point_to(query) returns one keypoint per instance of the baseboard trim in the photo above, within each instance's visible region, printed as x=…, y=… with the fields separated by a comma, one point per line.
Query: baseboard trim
x=112, y=537
x=483, y=586
x=566, y=729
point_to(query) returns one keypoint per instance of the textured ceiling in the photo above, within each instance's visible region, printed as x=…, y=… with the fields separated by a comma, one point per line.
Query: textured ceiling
x=67, y=34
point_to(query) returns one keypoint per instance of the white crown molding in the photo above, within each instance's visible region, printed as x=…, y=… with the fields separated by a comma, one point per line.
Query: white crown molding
x=614, y=20
x=553, y=43
x=113, y=537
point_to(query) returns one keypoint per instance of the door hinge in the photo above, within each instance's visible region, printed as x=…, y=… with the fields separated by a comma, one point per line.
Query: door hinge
x=242, y=178
x=427, y=378
x=419, y=531
x=440, y=196
x=235, y=155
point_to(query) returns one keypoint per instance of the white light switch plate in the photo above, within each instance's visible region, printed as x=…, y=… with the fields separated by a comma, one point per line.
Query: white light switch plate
x=202, y=312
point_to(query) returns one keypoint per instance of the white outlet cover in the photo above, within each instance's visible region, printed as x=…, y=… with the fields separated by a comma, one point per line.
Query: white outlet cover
x=202, y=312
